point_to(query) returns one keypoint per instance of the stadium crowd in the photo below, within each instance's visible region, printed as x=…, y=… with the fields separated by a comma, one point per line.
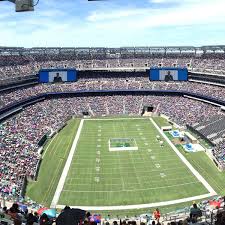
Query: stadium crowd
x=19, y=65
x=206, y=212
x=19, y=135
x=8, y=97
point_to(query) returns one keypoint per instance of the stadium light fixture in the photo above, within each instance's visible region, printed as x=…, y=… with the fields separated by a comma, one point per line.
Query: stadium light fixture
x=23, y=5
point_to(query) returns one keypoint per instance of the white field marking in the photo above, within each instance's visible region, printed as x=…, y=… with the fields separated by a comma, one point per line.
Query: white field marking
x=53, y=180
x=212, y=192
x=153, y=172
x=140, y=133
x=66, y=167
x=126, y=163
x=117, y=154
x=99, y=135
x=152, y=183
x=98, y=146
x=162, y=175
x=138, y=129
x=152, y=157
x=55, y=149
x=97, y=179
x=110, y=158
x=98, y=152
x=97, y=160
x=132, y=190
x=143, y=172
x=50, y=145
x=99, y=139
x=140, y=206
x=133, y=164
x=125, y=118
x=146, y=143
x=157, y=165
x=143, y=138
x=99, y=131
x=97, y=168
x=149, y=150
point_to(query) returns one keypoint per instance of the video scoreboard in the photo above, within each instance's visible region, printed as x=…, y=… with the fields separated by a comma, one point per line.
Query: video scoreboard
x=168, y=74
x=57, y=75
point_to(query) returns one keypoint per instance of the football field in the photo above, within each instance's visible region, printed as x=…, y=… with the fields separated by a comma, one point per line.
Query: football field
x=153, y=173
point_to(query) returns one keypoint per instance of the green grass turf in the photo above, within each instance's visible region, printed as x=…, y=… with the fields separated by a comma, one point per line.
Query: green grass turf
x=54, y=158
x=125, y=177
x=49, y=176
x=161, y=122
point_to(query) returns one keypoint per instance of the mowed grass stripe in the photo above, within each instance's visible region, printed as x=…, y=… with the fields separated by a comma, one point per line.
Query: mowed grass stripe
x=123, y=180
x=52, y=165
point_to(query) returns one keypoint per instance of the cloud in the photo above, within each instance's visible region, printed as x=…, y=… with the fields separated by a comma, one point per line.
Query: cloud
x=117, y=14
x=78, y=23
x=179, y=15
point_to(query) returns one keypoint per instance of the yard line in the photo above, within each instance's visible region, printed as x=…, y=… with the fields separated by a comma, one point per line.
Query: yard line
x=132, y=190
x=111, y=164
x=152, y=176
x=85, y=156
x=150, y=170
x=143, y=183
x=125, y=118
x=66, y=167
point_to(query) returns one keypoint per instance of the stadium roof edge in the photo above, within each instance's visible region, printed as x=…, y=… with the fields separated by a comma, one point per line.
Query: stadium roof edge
x=172, y=46
x=112, y=51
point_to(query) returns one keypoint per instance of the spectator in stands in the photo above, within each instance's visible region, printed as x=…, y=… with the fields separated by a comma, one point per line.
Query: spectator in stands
x=156, y=215
x=14, y=214
x=44, y=220
x=30, y=219
x=195, y=212
x=36, y=218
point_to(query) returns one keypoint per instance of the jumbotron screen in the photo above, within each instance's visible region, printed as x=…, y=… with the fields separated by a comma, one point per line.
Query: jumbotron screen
x=168, y=74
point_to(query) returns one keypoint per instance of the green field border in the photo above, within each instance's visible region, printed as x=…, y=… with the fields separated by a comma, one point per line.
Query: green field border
x=161, y=122
x=54, y=158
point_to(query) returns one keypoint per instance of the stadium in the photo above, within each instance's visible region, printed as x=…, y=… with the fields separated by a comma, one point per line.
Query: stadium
x=110, y=135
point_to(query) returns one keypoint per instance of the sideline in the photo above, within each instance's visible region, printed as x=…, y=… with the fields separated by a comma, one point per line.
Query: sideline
x=140, y=206
x=185, y=161
x=66, y=167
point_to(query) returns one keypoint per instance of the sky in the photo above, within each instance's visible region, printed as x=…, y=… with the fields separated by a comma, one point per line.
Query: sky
x=114, y=23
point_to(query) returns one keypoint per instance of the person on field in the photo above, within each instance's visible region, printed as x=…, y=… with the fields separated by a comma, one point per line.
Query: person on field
x=157, y=215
